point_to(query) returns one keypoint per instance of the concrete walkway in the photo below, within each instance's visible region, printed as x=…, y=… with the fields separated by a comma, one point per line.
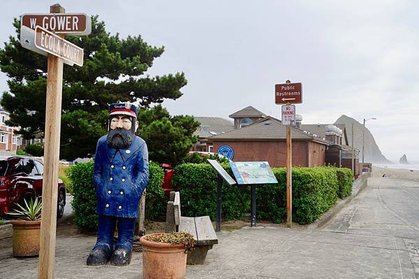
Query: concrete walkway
x=264, y=251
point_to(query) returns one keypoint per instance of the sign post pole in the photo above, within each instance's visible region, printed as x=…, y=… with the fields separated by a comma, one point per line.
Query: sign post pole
x=37, y=34
x=288, y=93
x=219, y=202
x=51, y=156
x=289, y=177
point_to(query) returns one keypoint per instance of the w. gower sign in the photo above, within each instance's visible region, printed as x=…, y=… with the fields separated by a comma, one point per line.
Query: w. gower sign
x=69, y=24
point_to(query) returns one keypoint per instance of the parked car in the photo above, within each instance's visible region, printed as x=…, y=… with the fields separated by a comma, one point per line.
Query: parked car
x=21, y=178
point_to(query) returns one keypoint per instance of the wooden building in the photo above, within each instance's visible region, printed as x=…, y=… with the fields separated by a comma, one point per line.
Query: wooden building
x=265, y=140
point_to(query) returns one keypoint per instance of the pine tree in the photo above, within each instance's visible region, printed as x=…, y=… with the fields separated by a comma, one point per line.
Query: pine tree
x=114, y=70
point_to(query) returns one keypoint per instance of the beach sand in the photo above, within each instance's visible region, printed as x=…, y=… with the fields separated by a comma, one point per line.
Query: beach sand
x=395, y=173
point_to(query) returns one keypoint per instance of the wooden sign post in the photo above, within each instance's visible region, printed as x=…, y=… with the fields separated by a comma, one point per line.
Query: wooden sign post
x=289, y=177
x=37, y=35
x=51, y=157
x=286, y=94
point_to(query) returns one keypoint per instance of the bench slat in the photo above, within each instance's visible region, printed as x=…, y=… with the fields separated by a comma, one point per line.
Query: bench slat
x=187, y=224
x=205, y=231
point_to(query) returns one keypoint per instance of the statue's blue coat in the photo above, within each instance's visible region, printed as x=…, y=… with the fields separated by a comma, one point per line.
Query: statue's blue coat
x=120, y=177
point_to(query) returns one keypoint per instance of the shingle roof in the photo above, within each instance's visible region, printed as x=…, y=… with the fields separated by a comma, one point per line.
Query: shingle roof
x=319, y=129
x=268, y=128
x=211, y=126
x=247, y=112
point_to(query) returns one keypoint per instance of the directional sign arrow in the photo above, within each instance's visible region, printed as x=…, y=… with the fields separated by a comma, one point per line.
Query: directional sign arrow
x=288, y=99
x=288, y=93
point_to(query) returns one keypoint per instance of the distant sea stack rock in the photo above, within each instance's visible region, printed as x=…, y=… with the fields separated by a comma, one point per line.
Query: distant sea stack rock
x=403, y=160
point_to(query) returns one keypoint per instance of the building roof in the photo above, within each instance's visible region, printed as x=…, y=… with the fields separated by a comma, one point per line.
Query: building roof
x=268, y=128
x=211, y=126
x=247, y=112
x=321, y=129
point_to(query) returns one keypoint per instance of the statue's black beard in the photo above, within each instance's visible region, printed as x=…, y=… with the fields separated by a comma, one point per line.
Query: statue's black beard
x=120, y=138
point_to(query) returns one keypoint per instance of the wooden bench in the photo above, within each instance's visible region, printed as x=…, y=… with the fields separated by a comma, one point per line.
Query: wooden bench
x=200, y=227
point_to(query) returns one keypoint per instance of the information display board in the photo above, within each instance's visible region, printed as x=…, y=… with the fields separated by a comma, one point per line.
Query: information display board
x=258, y=172
x=221, y=171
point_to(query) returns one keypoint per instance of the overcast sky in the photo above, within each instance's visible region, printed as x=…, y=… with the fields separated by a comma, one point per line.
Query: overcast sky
x=358, y=58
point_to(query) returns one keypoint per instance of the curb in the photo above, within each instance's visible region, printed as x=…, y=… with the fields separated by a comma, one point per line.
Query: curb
x=6, y=231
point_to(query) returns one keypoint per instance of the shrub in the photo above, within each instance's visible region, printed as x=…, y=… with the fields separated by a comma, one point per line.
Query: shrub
x=34, y=150
x=21, y=152
x=84, y=195
x=345, y=177
x=314, y=192
x=155, y=202
x=63, y=174
x=197, y=184
x=271, y=199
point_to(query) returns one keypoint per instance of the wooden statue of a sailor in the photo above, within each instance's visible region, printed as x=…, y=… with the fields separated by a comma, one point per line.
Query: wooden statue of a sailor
x=120, y=177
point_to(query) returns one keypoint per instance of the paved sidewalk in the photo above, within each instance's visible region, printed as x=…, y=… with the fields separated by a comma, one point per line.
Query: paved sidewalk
x=264, y=251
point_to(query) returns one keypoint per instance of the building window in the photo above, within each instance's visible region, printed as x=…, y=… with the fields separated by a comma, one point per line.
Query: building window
x=3, y=138
x=14, y=140
x=3, y=119
x=245, y=121
x=211, y=148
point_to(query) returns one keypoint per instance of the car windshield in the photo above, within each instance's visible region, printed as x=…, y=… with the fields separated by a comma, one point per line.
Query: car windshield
x=3, y=168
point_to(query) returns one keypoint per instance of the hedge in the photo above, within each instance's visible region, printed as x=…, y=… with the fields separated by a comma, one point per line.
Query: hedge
x=315, y=190
x=197, y=184
x=84, y=195
x=345, y=177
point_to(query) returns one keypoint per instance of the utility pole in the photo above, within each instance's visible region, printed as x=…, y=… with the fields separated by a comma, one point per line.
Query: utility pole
x=363, y=137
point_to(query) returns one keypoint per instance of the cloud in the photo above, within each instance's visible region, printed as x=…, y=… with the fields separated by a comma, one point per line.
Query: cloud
x=357, y=58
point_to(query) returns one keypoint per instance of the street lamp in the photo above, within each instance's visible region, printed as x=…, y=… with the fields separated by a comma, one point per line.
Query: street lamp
x=363, y=137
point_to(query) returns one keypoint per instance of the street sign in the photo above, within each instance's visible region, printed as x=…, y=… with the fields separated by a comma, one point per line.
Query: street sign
x=288, y=114
x=51, y=43
x=69, y=24
x=288, y=93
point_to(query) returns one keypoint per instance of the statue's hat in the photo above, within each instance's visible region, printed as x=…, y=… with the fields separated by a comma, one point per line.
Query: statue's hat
x=123, y=109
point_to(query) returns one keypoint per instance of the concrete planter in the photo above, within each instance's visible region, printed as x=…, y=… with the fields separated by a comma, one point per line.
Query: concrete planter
x=26, y=238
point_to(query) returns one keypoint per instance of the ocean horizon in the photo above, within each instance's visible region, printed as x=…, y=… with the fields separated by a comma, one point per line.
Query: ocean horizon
x=412, y=166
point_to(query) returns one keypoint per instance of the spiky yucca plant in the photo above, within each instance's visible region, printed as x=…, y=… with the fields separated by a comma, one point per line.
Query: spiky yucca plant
x=30, y=211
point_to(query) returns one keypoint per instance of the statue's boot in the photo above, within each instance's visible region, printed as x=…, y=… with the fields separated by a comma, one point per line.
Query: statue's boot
x=121, y=257
x=100, y=255
x=122, y=254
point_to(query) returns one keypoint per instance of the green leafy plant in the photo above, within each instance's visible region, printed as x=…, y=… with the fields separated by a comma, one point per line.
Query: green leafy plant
x=31, y=210
x=155, y=205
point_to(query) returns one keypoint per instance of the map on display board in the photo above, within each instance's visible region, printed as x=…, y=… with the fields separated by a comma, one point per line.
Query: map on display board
x=253, y=172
